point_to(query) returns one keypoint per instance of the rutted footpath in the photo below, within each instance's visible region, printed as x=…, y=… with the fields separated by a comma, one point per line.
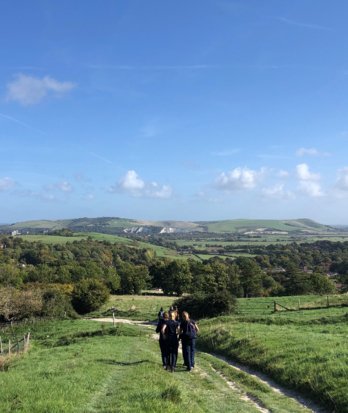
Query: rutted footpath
x=249, y=386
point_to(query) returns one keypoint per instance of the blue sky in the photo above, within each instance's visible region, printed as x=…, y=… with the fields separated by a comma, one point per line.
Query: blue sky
x=186, y=110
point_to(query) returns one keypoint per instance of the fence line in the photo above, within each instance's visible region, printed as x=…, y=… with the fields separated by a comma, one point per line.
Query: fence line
x=19, y=346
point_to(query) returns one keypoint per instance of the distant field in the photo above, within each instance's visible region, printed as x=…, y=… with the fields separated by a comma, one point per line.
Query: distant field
x=55, y=239
x=136, y=307
x=278, y=225
x=265, y=305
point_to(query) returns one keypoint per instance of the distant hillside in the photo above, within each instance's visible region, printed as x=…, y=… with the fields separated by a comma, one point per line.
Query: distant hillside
x=115, y=225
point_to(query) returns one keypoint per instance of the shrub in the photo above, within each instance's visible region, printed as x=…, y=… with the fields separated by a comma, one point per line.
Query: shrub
x=56, y=304
x=88, y=295
x=208, y=305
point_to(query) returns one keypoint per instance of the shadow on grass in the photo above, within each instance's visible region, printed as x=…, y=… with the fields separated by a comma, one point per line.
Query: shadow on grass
x=124, y=363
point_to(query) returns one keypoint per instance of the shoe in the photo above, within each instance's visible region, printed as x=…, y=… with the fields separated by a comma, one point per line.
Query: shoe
x=188, y=369
x=172, y=369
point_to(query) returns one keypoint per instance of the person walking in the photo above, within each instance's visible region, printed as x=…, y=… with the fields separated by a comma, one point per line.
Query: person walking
x=188, y=334
x=170, y=329
x=160, y=314
x=162, y=338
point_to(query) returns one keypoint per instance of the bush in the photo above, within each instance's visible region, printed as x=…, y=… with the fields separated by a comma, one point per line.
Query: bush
x=34, y=301
x=88, y=295
x=207, y=305
x=56, y=304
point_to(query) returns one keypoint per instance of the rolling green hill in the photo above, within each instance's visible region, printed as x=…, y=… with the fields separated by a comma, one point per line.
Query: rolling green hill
x=114, y=225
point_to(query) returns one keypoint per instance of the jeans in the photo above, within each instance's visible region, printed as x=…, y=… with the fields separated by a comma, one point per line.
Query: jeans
x=188, y=350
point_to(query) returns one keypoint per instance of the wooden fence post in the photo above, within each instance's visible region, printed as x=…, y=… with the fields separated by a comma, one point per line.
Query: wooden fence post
x=1, y=349
x=9, y=347
x=26, y=342
x=327, y=301
x=275, y=307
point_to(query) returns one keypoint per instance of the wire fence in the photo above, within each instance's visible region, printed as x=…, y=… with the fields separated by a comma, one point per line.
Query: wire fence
x=269, y=305
x=17, y=346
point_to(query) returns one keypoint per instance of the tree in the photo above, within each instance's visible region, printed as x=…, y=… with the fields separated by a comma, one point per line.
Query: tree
x=176, y=278
x=88, y=295
x=250, y=277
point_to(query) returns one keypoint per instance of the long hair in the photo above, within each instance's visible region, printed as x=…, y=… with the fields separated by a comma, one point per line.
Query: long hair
x=186, y=316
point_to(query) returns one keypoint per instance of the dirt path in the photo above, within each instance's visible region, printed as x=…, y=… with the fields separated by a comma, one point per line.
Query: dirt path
x=305, y=403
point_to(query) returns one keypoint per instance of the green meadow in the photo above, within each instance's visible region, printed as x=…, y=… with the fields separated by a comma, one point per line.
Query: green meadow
x=305, y=350
x=86, y=367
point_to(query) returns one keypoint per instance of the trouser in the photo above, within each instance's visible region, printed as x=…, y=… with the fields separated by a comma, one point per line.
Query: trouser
x=172, y=353
x=164, y=354
x=188, y=351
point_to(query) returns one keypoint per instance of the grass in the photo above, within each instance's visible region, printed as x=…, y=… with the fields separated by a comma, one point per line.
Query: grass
x=116, y=239
x=136, y=307
x=86, y=367
x=83, y=367
x=305, y=350
x=265, y=305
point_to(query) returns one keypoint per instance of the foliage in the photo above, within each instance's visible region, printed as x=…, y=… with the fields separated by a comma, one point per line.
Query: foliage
x=207, y=305
x=34, y=301
x=88, y=295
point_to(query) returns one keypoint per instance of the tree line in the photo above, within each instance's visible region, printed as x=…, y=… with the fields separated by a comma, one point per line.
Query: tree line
x=118, y=269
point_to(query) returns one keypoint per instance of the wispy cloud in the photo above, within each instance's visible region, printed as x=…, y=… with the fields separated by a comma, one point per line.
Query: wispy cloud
x=239, y=178
x=311, y=152
x=18, y=122
x=134, y=185
x=100, y=157
x=6, y=183
x=29, y=90
x=304, y=25
x=342, y=179
x=277, y=191
x=64, y=186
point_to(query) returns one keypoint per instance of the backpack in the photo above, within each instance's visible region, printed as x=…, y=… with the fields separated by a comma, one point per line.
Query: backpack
x=190, y=332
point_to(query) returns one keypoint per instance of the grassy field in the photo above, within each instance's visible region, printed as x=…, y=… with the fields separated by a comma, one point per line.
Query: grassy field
x=306, y=350
x=265, y=305
x=136, y=307
x=85, y=367
x=56, y=239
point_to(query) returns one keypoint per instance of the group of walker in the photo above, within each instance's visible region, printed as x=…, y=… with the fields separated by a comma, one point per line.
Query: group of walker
x=171, y=330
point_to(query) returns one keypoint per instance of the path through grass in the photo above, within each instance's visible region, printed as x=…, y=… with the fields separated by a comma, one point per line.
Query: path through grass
x=84, y=367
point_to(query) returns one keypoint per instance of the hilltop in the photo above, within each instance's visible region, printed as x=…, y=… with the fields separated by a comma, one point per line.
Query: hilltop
x=115, y=225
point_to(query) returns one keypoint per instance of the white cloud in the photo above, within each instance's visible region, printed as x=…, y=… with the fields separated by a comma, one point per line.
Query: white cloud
x=6, y=183
x=310, y=152
x=29, y=90
x=311, y=188
x=342, y=179
x=131, y=183
x=277, y=191
x=304, y=174
x=158, y=191
x=308, y=181
x=238, y=178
